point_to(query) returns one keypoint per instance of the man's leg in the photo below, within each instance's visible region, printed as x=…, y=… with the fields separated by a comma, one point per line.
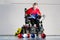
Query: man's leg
x=37, y=24
x=32, y=21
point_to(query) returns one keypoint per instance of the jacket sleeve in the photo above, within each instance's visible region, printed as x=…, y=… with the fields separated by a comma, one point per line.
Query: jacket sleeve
x=28, y=11
x=39, y=13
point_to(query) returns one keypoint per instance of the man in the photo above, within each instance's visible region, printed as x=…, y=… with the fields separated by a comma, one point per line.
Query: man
x=34, y=10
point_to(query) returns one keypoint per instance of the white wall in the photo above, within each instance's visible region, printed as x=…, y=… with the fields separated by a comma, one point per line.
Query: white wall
x=12, y=15
x=30, y=1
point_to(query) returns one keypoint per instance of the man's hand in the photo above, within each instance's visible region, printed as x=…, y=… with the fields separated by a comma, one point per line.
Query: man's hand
x=39, y=16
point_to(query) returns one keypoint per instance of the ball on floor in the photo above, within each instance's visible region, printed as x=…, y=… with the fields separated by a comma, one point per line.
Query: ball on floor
x=19, y=35
x=28, y=35
x=32, y=35
x=43, y=35
x=24, y=35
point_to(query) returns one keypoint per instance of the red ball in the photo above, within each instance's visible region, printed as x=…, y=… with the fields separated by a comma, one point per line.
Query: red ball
x=19, y=35
x=28, y=35
x=43, y=35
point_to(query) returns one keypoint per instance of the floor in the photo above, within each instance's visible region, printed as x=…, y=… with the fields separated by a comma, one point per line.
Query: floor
x=37, y=38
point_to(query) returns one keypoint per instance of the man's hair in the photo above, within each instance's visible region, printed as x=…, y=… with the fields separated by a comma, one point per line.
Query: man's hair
x=35, y=3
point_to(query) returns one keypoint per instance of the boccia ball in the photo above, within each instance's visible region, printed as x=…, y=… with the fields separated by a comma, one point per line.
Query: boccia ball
x=33, y=35
x=43, y=35
x=28, y=35
x=24, y=35
x=19, y=35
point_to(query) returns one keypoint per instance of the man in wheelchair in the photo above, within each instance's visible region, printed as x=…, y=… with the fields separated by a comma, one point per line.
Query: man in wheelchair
x=33, y=14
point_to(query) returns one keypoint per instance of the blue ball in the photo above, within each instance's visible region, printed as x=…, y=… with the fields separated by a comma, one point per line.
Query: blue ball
x=33, y=35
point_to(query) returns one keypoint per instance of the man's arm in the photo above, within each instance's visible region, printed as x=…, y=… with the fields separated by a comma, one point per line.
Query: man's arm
x=29, y=11
x=39, y=13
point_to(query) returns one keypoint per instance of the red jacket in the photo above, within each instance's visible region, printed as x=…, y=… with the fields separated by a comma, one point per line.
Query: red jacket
x=31, y=11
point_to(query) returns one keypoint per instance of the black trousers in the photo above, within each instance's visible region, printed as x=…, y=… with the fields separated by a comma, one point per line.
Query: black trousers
x=33, y=21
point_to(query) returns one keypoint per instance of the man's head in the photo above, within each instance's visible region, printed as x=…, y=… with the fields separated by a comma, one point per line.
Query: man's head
x=35, y=5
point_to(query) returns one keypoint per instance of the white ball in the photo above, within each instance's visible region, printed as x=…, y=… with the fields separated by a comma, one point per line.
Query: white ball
x=24, y=35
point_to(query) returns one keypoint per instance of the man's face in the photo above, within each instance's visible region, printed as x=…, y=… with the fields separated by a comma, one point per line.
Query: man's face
x=34, y=6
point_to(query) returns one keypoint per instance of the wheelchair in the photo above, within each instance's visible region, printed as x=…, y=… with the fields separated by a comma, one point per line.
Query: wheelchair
x=29, y=27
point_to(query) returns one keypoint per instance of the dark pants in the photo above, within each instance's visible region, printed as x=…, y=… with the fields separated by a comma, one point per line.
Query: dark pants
x=33, y=21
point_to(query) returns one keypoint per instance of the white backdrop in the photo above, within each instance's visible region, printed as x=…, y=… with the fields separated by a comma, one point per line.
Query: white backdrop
x=12, y=15
x=30, y=1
